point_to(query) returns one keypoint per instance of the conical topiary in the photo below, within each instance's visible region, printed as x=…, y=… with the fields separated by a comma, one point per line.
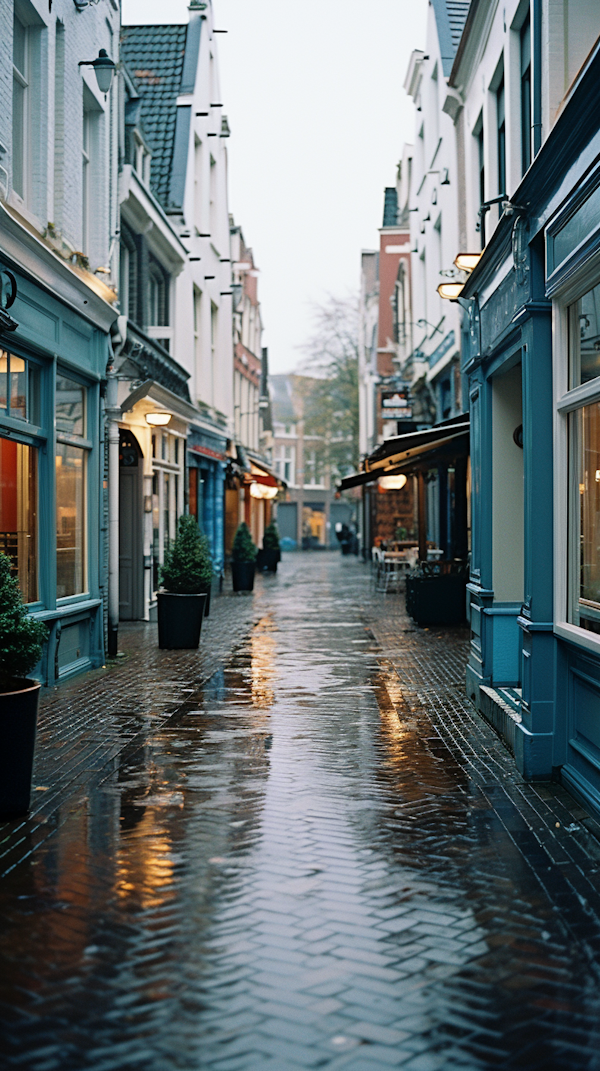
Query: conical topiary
x=21, y=636
x=271, y=537
x=187, y=568
x=244, y=549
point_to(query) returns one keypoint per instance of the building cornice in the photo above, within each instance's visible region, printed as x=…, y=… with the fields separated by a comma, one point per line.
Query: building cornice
x=75, y=287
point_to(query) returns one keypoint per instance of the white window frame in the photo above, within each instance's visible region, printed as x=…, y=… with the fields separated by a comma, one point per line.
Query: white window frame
x=566, y=402
x=24, y=80
x=86, y=180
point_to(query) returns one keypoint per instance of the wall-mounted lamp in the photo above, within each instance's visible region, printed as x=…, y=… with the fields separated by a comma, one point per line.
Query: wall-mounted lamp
x=392, y=483
x=158, y=420
x=260, y=490
x=104, y=68
x=450, y=291
x=467, y=261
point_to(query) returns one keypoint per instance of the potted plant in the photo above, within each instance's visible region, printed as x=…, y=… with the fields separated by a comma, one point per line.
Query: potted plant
x=270, y=555
x=21, y=639
x=243, y=559
x=183, y=576
x=436, y=593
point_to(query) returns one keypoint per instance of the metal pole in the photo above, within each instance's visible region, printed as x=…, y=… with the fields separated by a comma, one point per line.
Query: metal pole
x=422, y=520
x=113, y=414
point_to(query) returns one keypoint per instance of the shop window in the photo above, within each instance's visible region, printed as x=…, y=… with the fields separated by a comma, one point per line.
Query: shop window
x=584, y=332
x=19, y=387
x=18, y=513
x=584, y=436
x=70, y=528
x=71, y=461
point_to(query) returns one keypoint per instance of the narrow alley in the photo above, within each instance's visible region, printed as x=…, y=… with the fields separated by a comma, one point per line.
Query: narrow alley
x=297, y=848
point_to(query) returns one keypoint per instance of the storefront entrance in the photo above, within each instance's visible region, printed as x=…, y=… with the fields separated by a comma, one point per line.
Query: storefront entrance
x=131, y=587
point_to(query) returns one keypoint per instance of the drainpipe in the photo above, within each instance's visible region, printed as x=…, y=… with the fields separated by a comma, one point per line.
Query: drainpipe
x=113, y=415
x=536, y=36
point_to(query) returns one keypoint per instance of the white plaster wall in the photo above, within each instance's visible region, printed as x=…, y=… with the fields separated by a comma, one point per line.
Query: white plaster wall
x=434, y=216
x=212, y=378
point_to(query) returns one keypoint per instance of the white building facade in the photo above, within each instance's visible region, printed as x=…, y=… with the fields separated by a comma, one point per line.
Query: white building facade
x=58, y=258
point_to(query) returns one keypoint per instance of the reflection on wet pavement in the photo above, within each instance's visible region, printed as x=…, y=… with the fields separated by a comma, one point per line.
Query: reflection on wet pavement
x=318, y=857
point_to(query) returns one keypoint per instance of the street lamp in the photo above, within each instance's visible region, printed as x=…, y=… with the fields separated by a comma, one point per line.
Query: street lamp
x=104, y=68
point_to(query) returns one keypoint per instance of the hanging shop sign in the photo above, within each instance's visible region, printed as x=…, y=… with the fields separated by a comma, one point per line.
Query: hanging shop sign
x=395, y=405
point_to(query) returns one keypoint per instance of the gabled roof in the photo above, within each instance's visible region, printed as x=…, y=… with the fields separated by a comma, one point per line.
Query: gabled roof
x=450, y=17
x=162, y=60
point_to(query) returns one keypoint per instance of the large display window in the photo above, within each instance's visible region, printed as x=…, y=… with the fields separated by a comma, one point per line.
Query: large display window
x=18, y=513
x=167, y=495
x=71, y=461
x=583, y=325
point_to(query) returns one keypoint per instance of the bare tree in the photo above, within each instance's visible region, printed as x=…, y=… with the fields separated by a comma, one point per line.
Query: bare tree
x=331, y=358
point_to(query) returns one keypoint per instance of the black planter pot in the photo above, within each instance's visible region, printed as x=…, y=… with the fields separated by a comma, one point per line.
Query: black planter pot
x=207, y=592
x=179, y=620
x=436, y=600
x=18, y=718
x=266, y=560
x=242, y=574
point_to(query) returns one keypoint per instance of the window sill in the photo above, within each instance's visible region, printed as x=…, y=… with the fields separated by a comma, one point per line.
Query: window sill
x=578, y=636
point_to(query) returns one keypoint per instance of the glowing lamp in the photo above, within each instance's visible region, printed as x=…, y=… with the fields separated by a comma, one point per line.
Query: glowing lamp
x=158, y=420
x=467, y=261
x=392, y=483
x=260, y=490
x=450, y=291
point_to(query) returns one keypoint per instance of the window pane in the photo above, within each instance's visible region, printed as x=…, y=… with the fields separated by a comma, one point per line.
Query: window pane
x=19, y=46
x=70, y=490
x=584, y=338
x=18, y=387
x=70, y=409
x=18, y=513
x=18, y=137
x=585, y=551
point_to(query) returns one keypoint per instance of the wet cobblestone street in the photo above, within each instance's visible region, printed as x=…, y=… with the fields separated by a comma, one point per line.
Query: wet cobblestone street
x=298, y=848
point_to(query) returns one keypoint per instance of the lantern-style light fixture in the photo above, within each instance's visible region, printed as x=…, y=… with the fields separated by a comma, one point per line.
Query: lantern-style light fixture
x=467, y=261
x=158, y=420
x=392, y=483
x=450, y=291
x=104, y=68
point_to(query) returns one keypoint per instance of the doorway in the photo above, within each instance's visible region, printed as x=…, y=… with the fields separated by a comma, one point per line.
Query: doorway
x=131, y=562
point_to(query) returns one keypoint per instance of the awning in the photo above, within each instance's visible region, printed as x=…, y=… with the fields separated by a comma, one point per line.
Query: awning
x=416, y=450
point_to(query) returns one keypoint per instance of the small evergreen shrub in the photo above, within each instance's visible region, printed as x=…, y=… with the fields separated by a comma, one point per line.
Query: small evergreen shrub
x=21, y=636
x=271, y=537
x=187, y=568
x=244, y=549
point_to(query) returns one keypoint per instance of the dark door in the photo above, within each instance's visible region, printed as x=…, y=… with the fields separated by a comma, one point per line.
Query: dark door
x=131, y=563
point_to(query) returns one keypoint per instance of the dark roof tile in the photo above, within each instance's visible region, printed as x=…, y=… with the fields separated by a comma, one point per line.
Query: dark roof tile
x=154, y=56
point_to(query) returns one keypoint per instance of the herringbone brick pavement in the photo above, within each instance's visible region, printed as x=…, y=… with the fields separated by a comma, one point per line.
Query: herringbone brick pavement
x=299, y=848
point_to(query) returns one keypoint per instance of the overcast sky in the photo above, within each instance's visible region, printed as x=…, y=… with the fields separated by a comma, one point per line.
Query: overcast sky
x=313, y=93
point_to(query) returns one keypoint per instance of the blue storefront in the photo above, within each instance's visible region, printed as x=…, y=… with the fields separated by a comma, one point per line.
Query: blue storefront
x=206, y=460
x=533, y=367
x=51, y=448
